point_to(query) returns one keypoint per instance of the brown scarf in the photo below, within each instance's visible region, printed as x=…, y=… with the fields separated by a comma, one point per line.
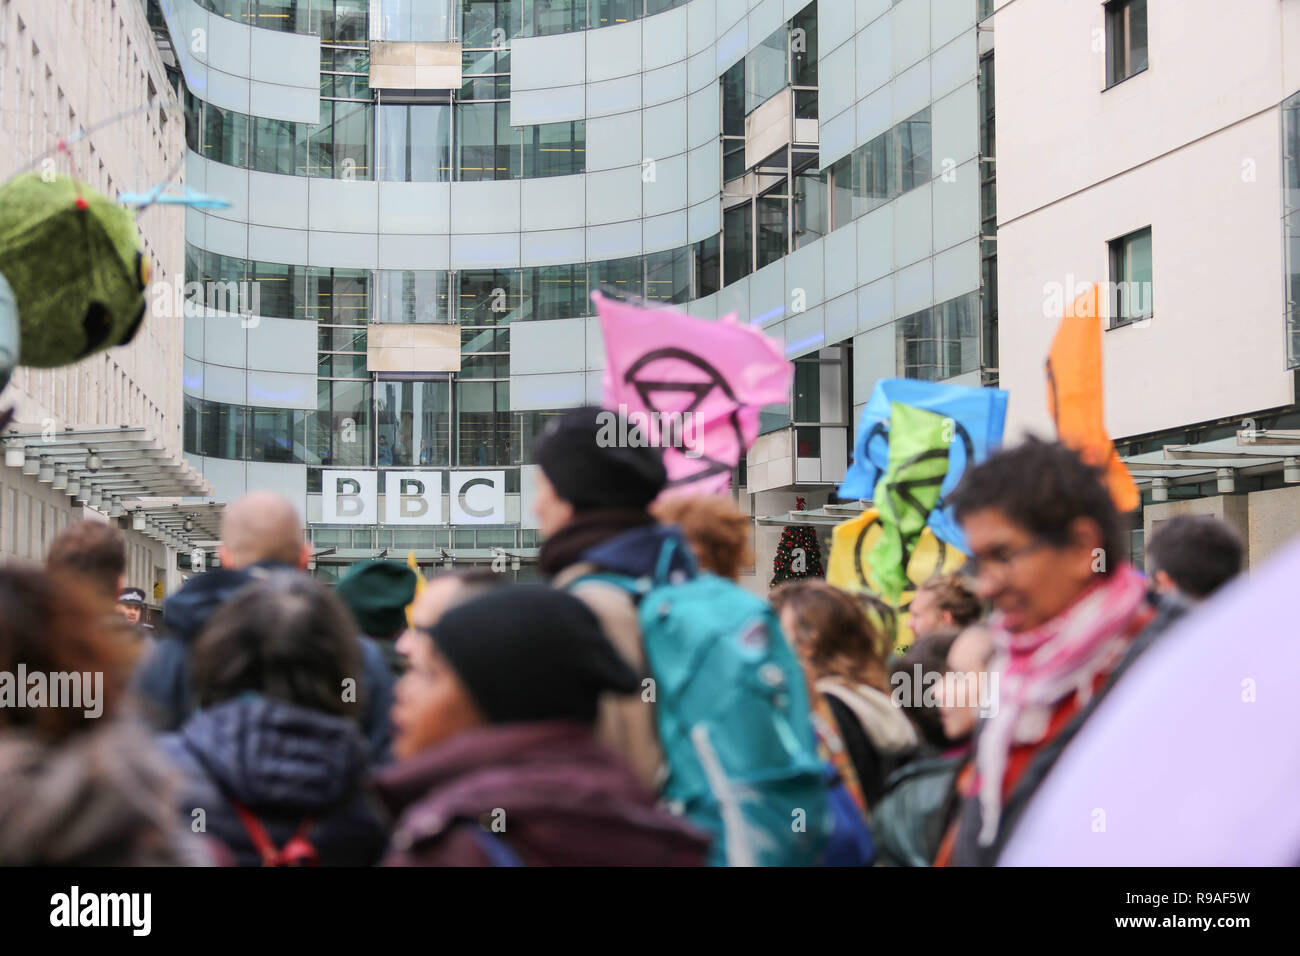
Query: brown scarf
x=585, y=531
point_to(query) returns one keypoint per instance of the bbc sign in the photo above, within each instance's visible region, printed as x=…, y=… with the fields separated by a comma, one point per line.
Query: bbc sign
x=413, y=497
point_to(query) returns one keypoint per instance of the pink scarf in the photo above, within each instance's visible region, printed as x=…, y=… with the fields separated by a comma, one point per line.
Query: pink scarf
x=1041, y=667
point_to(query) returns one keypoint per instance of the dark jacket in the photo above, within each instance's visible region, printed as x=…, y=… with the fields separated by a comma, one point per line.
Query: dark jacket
x=284, y=763
x=967, y=850
x=556, y=796
x=162, y=681
x=908, y=823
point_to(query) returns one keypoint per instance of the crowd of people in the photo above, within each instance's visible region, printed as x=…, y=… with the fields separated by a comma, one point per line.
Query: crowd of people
x=271, y=720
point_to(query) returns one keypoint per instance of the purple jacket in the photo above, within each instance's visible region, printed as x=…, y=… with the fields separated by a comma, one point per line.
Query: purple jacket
x=547, y=791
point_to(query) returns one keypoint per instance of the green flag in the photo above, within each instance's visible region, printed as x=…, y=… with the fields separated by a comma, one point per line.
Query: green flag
x=908, y=490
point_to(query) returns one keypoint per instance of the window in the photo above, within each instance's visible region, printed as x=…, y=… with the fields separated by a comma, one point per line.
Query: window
x=490, y=148
x=1131, y=279
x=413, y=423
x=810, y=206
x=414, y=20
x=772, y=228
x=618, y=277
x=737, y=242
x=339, y=433
x=489, y=297
x=1126, y=39
x=483, y=423
x=940, y=342
x=414, y=143
x=556, y=292
x=668, y=276
x=410, y=297
x=554, y=149
x=767, y=69
x=707, y=266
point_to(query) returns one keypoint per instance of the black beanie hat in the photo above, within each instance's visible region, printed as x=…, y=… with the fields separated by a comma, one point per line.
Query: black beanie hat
x=589, y=475
x=529, y=653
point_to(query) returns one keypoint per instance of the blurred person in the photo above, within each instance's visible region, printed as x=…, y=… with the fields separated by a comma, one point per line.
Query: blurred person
x=377, y=593
x=441, y=593
x=960, y=707
x=943, y=601
x=80, y=785
x=499, y=765
x=94, y=552
x=130, y=604
x=1192, y=757
x=592, y=503
x=273, y=757
x=926, y=658
x=719, y=533
x=1193, y=556
x=844, y=656
x=921, y=798
x=1070, y=614
x=260, y=533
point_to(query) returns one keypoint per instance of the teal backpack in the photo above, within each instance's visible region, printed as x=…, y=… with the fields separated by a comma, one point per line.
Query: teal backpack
x=731, y=707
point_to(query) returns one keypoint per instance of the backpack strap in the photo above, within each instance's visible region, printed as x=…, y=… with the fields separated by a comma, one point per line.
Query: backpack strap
x=297, y=852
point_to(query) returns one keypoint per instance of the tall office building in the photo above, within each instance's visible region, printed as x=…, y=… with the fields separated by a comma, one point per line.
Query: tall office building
x=1154, y=145
x=100, y=439
x=424, y=194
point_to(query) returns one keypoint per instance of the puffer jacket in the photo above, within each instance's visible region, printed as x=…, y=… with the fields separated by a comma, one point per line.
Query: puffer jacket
x=162, y=681
x=286, y=764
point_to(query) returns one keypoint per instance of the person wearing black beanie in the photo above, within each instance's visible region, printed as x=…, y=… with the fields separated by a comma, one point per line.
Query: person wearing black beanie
x=592, y=494
x=494, y=731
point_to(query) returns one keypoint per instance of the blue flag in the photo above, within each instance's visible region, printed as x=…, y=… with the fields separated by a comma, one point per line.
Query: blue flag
x=978, y=416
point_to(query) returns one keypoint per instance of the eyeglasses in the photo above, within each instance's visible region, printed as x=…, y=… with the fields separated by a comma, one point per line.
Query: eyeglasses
x=999, y=562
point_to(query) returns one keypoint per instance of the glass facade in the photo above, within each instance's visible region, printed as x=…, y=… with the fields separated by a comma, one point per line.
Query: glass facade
x=415, y=20
x=409, y=142
x=414, y=142
x=1291, y=224
x=988, y=219
x=942, y=341
x=895, y=162
x=341, y=19
x=413, y=423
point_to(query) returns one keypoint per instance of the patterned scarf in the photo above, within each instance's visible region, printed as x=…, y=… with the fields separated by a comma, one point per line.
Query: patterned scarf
x=1041, y=667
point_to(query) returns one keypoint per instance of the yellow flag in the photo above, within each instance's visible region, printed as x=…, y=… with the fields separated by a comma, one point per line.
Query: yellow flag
x=853, y=540
x=419, y=582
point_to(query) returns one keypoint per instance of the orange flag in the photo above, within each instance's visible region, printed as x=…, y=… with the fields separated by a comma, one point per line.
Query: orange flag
x=1074, y=395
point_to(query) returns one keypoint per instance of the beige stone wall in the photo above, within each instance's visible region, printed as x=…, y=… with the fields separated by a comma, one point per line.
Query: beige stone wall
x=1266, y=520
x=1274, y=521
x=67, y=65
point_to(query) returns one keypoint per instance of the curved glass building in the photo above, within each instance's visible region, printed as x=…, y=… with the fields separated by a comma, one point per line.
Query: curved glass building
x=423, y=195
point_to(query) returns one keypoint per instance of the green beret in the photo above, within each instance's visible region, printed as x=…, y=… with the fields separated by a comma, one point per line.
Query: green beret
x=377, y=593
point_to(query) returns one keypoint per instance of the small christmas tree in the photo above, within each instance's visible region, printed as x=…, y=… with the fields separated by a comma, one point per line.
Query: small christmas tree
x=799, y=555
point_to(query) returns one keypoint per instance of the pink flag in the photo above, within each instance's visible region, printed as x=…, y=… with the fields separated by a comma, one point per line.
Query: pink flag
x=692, y=386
